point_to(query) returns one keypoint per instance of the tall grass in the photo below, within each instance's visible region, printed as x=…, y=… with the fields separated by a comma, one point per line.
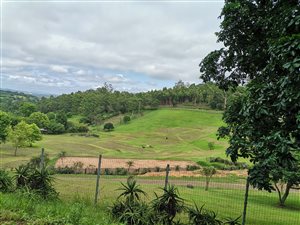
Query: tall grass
x=28, y=208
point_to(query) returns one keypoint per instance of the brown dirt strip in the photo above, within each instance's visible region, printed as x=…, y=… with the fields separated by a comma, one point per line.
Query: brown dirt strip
x=117, y=163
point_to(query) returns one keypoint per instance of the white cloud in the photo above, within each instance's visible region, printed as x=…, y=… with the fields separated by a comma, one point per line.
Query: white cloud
x=59, y=69
x=158, y=41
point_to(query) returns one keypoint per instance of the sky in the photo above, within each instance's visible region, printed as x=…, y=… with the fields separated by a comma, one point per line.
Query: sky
x=62, y=47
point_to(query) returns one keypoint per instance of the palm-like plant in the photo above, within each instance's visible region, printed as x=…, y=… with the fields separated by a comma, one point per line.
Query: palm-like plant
x=6, y=181
x=22, y=176
x=41, y=181
x=202, y=217
x=169, y=204
x=230, y=221
x=131, y=191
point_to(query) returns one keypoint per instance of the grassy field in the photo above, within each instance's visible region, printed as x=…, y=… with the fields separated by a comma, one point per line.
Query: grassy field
x=188, y=133
x=177, y=134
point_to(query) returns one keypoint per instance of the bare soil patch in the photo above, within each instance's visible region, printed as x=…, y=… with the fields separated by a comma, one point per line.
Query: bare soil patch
x=89, y=162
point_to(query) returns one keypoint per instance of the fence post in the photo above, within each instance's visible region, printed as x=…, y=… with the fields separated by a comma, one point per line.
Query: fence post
x=42, y=159
x=98, y=178
x=246, y=201
x=167, y=176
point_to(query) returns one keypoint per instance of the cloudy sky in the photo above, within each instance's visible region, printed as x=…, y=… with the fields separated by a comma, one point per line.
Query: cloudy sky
x=62, y=47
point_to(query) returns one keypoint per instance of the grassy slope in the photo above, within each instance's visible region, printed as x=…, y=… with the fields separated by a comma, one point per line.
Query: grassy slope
x=188, y=132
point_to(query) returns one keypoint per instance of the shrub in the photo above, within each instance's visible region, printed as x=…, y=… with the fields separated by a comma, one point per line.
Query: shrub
x=83, y=129
x=6, y=181
x=85, y=120
x=192, y=167
x=108, y=127
x=126, y=119
x=202, y=217
x=121, y=171
x=157, y=169
x=37, y=180
x=55, y=128
x=177, y=168
x=168, y=205
x=211, y=145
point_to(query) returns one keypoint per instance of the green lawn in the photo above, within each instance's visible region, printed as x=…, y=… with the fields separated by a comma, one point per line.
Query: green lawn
x=188, y=133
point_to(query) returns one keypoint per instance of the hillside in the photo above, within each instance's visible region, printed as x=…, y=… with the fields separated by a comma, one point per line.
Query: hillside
x=10, y=101
x=178, y=134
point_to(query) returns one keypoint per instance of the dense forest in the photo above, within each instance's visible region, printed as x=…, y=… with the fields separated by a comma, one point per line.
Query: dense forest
x=106, y=101
x=95, y=106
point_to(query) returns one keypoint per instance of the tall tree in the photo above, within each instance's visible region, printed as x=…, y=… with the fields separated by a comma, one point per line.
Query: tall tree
x=40, y=119
x=262, y=49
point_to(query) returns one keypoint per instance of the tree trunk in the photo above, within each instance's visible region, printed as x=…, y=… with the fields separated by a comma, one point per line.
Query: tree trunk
x=16, y=149
x=207, y=184
x=225, y=99
x=282, y=198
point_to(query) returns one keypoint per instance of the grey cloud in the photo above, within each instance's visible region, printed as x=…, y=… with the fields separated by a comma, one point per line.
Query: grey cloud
x=159, y=40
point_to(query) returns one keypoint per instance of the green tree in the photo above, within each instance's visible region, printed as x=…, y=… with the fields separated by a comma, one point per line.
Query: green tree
x=34, y=134
x=261, y=48
x=62, y=118
x=5, y=121
x=40, y=119
x=18, y=135
x=55, y=128
x=208, y=172
x=129, y=164
x=27, y=108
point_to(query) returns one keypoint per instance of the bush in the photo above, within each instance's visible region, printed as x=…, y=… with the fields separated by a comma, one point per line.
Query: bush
x=74, y=128
x=55, y=128
x=202, y=217
x=121, y=171
x=6, y=181
x=211, y=145
x=108, y=127
x=177, y=168
x=65, y=170
x=126, y=119
x=39, y=181
x=85, y=120
x=192, y=167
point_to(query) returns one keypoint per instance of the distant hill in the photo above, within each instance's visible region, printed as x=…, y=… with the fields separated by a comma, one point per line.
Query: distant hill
x=10, y=101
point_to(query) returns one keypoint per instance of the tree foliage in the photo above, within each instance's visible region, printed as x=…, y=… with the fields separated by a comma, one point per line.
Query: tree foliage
x=24, y=134
x=39, y=118
x=5, y=122
x=262, y=49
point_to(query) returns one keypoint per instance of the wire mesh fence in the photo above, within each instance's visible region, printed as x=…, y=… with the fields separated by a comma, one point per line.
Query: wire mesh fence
x=224, y=193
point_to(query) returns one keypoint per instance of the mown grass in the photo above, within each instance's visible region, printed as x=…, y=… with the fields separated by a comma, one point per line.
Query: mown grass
x=178, y=134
